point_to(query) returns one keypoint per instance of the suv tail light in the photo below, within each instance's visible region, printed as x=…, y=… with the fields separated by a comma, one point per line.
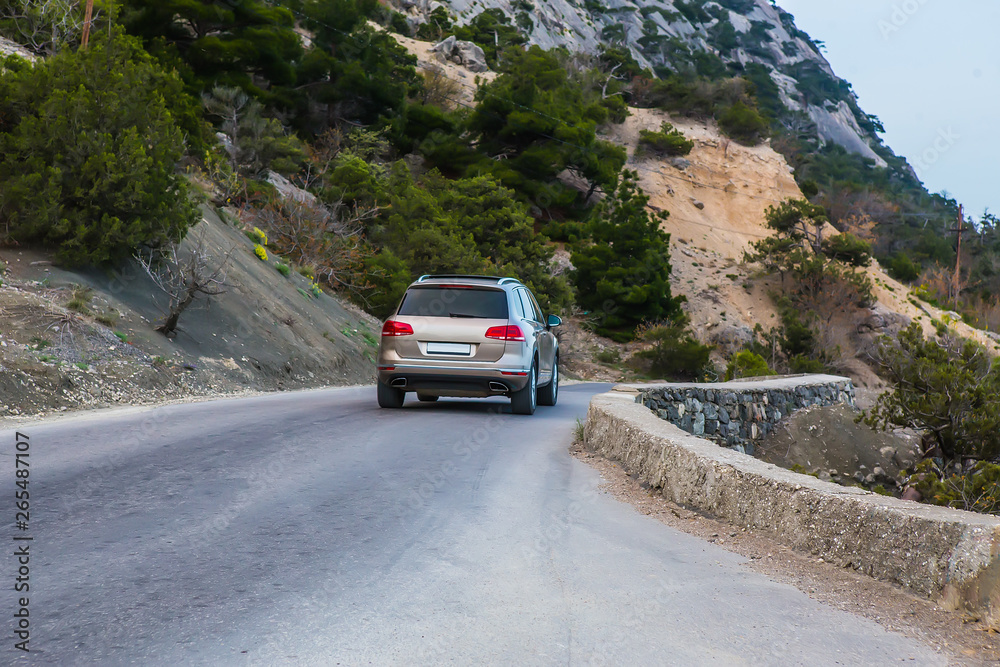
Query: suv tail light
x=509, y=332
x=393, y=328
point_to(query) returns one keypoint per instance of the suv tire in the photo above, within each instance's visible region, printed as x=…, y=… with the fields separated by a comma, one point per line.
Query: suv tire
x=549, y=394
x=523, y=401
x=390, y=397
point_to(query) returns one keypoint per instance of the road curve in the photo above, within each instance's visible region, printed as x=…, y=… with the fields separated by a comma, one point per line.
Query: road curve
x=315, y=528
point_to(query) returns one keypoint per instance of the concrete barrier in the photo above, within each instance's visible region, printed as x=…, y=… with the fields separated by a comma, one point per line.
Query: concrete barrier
x=937, y=552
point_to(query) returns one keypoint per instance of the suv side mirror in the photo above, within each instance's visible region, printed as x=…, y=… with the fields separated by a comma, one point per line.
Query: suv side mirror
x=553, y=321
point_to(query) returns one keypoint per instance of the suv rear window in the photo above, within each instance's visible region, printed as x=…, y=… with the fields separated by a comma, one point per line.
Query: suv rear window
x=455, y=302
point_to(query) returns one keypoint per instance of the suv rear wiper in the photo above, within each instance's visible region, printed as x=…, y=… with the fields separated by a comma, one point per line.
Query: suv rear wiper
x=460, y=315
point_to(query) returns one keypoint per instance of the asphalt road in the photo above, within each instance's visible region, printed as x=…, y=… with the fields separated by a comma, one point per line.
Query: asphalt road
x=315, y=528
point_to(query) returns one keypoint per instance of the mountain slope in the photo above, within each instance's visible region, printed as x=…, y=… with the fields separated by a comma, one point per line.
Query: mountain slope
x=717, y=198
x=267, y=332
x=703, y=38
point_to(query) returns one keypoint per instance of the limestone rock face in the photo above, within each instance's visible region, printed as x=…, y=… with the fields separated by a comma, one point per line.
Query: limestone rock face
x=9, y=48
x=670, y=34
x=289, y=191
x=838, y=125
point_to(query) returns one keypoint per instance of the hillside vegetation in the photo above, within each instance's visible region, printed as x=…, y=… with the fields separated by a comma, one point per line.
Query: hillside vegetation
x=694, y=183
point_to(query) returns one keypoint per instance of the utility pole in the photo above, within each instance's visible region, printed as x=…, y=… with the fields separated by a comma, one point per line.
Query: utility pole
x=958, y=255
x=87, y=18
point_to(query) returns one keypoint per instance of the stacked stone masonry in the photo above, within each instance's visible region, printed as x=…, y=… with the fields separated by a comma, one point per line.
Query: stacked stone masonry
x=739, y=414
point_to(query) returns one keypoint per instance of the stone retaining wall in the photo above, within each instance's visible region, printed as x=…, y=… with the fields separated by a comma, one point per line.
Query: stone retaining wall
x=738, y=414
x=933, y=551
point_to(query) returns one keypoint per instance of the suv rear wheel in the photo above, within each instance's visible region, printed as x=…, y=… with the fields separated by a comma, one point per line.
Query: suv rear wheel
x=549, y=394
x=390, y=397
x=523, y=401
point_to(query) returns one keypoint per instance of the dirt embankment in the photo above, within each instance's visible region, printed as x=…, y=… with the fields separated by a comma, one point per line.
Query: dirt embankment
x=717, y=198
x=266, y=332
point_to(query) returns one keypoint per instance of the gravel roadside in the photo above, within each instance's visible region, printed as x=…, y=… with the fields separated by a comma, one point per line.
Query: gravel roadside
x=963, y=639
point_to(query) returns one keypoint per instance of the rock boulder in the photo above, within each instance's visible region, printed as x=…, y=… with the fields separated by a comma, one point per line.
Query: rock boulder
x=470, y=55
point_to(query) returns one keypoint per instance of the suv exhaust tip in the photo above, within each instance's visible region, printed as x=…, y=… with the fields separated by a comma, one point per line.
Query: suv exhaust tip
x=499, y=387
x=398, y=383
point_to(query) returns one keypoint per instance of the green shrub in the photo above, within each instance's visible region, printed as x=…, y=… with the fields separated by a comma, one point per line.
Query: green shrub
x=539, y=146
x=923, y=293
x=848, y=248
x=468, y=225
x=249, y=43
x=745, y=364
x=610, y=355
x=89, y=147
x=437, y=26
x=691, y=96
x=666, y=141
x=259, y=143
x=398, y=23
x=743, y=123
x=902, y=268
x=283, y=269
x=491, y=29
x=975, y=490
x=800, y=363
x=674, y=354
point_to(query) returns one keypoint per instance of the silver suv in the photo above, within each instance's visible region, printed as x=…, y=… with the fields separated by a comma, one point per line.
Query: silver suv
x=469, y=336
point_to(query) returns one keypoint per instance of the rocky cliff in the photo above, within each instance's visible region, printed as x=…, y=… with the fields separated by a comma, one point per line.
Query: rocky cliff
x=674, y=35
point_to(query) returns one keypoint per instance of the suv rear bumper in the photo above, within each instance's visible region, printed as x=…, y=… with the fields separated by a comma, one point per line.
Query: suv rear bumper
x=454, y=381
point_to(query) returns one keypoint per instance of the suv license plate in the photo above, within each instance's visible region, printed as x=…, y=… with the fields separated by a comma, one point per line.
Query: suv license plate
x=458, y=349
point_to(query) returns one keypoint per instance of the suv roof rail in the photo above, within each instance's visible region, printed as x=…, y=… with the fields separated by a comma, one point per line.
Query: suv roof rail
x=455, y=276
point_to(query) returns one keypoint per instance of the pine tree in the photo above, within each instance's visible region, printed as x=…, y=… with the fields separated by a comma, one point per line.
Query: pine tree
x=623, y=275
x=948, y=387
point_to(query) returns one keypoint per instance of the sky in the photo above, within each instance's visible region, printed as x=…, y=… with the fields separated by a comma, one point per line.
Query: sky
x=930, y=70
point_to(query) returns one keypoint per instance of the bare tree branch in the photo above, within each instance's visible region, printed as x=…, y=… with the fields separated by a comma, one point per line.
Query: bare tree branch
x=185, y=279
x=328, y=240
x=44, y=26
x=611, y=77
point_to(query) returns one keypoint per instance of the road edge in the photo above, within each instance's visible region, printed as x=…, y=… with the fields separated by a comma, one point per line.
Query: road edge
x=944, y=554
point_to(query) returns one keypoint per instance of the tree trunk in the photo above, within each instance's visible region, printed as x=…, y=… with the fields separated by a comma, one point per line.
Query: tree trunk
x=169, y=326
